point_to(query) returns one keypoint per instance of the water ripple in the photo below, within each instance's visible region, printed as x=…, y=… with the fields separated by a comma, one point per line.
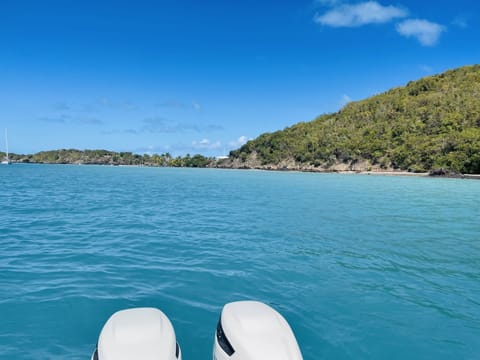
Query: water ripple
x=362, y=267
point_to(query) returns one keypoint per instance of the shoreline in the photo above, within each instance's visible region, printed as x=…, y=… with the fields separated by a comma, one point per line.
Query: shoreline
x=361, y=172
x=316, y=171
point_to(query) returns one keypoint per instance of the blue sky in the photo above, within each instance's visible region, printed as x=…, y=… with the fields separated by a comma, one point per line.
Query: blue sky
x=205, y=76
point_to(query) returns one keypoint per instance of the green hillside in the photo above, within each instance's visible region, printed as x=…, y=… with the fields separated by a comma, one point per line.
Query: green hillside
x=105, y=157
x=428, y=124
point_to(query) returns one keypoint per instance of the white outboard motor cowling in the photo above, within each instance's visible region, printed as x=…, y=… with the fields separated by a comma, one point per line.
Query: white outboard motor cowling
x=251, y=330
x=138, y=333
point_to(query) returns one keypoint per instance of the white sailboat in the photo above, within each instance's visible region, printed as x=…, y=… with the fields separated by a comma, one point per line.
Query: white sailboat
x=6, y=161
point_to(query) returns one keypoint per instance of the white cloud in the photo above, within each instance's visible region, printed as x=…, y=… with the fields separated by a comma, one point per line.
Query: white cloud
x=242, y=140
x=196, y=106
x=426, y=68
x=345, y=99
x=206, y=144
x=68, y=119
x=61, y=119
x=370, y=12
x=152, y=149
x=426, y=32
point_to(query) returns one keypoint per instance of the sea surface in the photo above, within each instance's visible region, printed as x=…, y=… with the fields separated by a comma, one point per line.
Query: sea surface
x=362, y=267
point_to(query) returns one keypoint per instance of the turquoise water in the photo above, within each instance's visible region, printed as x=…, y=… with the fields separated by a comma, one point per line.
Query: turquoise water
x=363, y=267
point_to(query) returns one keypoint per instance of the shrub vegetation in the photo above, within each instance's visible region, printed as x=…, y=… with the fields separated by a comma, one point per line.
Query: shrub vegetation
x=428, y=124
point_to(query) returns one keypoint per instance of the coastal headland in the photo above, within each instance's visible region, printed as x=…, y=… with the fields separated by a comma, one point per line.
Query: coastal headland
x=427, y=127
x=110, y=158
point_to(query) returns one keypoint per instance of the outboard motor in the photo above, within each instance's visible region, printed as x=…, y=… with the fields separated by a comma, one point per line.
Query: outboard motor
x=251, y=330
x=139, y=333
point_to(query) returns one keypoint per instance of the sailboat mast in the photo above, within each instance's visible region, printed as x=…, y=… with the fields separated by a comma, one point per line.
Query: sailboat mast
x=6, y=143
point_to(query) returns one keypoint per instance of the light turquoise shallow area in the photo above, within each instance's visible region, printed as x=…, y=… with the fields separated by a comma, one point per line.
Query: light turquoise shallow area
x=363, y=267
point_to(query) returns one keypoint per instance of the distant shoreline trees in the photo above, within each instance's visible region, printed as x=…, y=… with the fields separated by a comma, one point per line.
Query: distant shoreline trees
x=105, y=157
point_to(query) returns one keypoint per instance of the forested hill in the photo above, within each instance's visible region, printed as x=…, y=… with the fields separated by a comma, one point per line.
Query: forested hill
x=432, y=123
